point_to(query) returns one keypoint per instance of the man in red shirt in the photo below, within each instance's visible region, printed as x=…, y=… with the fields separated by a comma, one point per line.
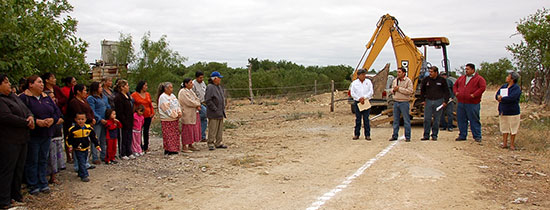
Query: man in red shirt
x=468, y=90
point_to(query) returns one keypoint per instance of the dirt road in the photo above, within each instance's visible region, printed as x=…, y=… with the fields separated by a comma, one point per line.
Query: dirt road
x=288, y=155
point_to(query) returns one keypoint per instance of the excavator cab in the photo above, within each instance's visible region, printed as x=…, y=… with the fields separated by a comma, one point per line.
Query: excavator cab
x=407, y=55
x=436, y=42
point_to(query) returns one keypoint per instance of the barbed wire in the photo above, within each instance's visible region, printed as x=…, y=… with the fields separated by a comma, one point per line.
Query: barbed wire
x=286, y=87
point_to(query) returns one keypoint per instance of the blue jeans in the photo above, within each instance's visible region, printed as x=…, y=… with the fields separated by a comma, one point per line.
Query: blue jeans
x=204, y=121
x=468, y=113
x=37, y=161
x=361, y=115
x=100, y=133
x=81, y=157
x=448, y=110
x=76, y=163
x=401, y=108
x=432, y=117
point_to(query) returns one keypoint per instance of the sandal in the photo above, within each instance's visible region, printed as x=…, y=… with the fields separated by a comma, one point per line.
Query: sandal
x=503, y=146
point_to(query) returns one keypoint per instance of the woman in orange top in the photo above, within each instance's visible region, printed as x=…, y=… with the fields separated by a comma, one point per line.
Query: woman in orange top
x=141, y=96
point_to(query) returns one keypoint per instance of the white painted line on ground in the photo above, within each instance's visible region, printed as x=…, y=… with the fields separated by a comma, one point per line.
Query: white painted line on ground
x=327, y=196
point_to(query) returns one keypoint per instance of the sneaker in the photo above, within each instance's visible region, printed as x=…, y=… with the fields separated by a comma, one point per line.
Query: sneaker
x=136, y=154
x=114, y=162
x=142, y=153
x=91, y=167
x=132, y=157
x=45, y=190
x=211, y=148
x=221, y=146
x=125, y=158
x=85, y=179
x=34, y=191
x=450, y=129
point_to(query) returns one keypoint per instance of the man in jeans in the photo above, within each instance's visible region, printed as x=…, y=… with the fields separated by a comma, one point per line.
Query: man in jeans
x=199, y=87
x=361, y=91
x=468, y=90
x=448, y=110
x=402, y=90
x=435, y=94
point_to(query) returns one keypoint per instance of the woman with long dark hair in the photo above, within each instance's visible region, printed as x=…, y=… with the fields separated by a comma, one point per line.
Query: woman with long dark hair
x=142, y=97
x=190, y=124
x=16, y=120
x=125, y=114
x=79, y=104
x=99, y=103
x=46, y=114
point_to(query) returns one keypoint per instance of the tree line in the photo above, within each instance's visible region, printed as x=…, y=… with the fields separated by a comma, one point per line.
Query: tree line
x=39, y=36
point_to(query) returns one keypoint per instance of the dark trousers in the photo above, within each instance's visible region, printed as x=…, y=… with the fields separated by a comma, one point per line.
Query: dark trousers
x=145, y=130
x=468, y=113
x=12, y=164
x=432, y=117
x=126, y=141
x=37, y=161
x=361, y=115
x=82, y=159
x=447, y=111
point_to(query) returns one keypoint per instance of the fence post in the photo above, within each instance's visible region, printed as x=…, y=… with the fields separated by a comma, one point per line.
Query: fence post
x=315, y=89
x=331, y=95
x=250, y=83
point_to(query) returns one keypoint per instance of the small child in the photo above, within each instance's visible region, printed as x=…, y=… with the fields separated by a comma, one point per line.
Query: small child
x=80, y=136
x=111, y=135
x=138, y=124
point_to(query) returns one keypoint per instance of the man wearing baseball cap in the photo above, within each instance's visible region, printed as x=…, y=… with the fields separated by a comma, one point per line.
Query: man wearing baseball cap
x=215, y=111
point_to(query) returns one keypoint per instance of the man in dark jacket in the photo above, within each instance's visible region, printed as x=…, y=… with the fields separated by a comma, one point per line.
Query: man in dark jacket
x=435, y=93
x=468, y=91
x=215, y=111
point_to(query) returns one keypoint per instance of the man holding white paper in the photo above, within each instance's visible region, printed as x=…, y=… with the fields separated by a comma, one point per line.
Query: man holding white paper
x=361, y=92
x=435, y=94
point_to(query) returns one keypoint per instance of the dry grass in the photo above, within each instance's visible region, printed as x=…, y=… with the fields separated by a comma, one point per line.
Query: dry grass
x=247, y=161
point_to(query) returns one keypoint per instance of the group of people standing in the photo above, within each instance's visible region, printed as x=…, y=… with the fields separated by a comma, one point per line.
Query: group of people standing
x=42, y=121
x=438, y=95
x=196, y=105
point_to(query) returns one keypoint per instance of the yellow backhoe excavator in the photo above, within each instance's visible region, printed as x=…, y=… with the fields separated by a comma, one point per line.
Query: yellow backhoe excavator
x=408, y=56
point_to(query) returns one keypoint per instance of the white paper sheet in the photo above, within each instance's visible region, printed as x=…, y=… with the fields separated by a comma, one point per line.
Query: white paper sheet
x=504, y=92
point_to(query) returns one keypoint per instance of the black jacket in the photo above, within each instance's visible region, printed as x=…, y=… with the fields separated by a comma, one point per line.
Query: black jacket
x=13, y=120
x=434, y=89
x=124, y=110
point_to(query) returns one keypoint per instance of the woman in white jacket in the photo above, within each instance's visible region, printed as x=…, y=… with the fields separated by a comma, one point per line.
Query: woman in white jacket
x=170, y=113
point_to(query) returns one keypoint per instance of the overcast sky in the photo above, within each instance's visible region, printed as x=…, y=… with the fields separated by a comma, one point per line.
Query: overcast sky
x=306, y=32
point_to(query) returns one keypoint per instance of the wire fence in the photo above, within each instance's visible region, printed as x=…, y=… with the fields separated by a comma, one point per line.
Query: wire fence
x=287, y=91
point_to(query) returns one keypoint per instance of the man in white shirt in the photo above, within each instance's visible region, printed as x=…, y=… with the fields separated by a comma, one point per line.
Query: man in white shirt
x=199, y=87
x=361, y=92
